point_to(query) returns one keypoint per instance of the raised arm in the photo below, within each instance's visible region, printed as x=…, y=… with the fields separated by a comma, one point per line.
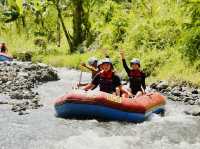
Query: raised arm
x=88, y=67
x=124, y=62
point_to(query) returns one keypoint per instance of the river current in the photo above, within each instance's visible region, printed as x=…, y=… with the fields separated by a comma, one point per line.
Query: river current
x=40, y=129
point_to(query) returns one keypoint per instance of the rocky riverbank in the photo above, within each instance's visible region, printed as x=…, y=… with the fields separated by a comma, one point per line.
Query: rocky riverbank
x=180, y=93
x=17, y=80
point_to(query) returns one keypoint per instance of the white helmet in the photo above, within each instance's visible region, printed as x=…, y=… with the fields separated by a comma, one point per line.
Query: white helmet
x=106, y=60
x=92, y=60
x=135, y=61
x=99, y=63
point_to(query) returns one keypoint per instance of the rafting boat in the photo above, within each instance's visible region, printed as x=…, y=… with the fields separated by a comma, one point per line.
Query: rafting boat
x=101, y=105
x=5, y=57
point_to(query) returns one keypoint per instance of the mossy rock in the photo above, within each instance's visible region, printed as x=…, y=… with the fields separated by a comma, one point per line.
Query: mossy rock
x=23, y=56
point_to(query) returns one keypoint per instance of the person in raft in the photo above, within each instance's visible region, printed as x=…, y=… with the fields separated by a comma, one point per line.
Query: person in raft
x=136, y=76
x=3, y=48
x=92, y=66
x=107, y=80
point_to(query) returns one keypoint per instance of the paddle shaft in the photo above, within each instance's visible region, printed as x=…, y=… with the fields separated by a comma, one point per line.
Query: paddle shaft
x=80, y=78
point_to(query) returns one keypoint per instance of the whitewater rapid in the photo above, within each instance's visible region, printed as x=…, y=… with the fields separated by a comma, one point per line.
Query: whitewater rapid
x=40, y=129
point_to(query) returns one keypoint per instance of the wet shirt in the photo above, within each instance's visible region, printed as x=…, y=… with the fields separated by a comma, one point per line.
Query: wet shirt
x=107, y=85
x=136, y=78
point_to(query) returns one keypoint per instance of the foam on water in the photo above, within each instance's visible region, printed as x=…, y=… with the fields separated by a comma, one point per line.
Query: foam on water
x=42, y=130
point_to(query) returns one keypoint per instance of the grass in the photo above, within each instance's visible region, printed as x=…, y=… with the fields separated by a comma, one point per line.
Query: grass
x=163, y=65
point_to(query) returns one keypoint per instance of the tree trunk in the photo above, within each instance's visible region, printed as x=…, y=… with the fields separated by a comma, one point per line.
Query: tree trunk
x=78, y=23
x=67, y=35
x=58, y=33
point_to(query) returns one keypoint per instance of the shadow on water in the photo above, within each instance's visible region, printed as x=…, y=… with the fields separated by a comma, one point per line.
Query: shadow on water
x=42, y=130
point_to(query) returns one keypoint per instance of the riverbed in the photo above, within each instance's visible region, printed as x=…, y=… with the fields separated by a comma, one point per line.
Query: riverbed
x=40, y=129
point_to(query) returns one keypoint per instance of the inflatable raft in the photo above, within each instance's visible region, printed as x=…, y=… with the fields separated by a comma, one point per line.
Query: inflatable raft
x=5, y=57
x=100, y=105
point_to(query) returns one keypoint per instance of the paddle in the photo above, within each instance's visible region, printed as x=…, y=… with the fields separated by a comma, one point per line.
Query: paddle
x=80, y=78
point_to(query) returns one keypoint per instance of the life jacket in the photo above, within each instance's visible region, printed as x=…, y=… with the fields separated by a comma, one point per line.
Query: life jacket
x=106, y=82
x=135, y=78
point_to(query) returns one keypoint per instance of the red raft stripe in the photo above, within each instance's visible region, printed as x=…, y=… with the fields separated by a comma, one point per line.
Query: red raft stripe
x=5, y=55
x=140, y=105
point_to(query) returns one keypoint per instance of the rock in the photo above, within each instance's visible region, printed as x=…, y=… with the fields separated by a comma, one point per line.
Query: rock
x=191, y=102
x=176, y=93
x=194, y=91
x=21, y=113
x=8, y=83
x=183, y=88
x=153, y=86
x=14, y=108
x=3, y=102
x=23, y=75
x=186, y=99
x=162, y=85
x=174, y=98
x=197, y=102
x=179, y=99
x=35, y=100
x=16, y=95
x=193, y=111
x=43, y=65
x=17, y=79
x=195, y=96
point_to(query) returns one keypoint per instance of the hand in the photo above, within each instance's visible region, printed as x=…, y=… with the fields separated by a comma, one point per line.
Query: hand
x=130, y=95
x=83, y=64
x=122, y=53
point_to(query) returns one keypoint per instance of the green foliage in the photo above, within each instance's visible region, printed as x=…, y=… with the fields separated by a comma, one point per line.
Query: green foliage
x=190, y=41
x=164, y=34
x=197, y=65
x=190, y=44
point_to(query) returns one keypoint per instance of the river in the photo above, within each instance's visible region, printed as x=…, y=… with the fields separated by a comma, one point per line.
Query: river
x=40, y=129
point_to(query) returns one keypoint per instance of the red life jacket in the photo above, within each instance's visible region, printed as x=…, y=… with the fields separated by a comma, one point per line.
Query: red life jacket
x=106, y=82
x=136, y=73
x=107, y=75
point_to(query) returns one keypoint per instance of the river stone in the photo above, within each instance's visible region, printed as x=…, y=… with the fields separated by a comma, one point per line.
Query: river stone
x=8, y=83
x=17, y=79
x=174, y=98
x=23, y=75
x=194, y=91
x=162, y=85
x=193, y=111
x=186, y=99
x=43, y=65
x=191, y=102
x=3, y=102
x=179, y=99
x=176, y=93
x=16, y=95
x=197, y=102
x=195, y=96
x=153, y=86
